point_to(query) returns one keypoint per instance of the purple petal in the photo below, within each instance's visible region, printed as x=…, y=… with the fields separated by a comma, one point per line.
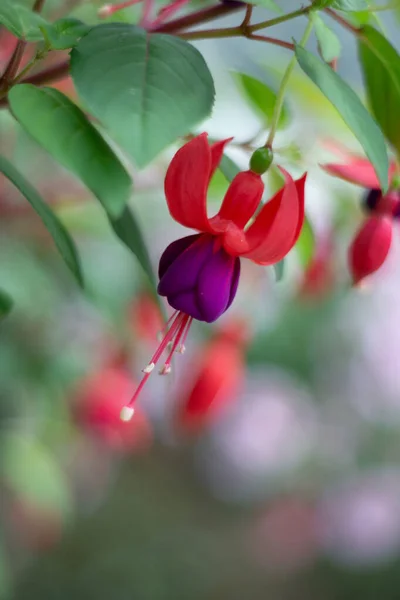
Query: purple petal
x=182, y=274
x=235, y=282
x=173, y=251
x=186, y=302
x=214, y=285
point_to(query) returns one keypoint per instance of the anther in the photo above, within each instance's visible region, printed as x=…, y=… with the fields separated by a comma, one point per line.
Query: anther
x=149, y=368
x=127, y=413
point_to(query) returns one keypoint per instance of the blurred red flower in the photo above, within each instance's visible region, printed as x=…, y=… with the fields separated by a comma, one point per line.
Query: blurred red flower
x=97, y=405
x=370, y=247
x=218, y=369
x=319, y=278
x=145, y=317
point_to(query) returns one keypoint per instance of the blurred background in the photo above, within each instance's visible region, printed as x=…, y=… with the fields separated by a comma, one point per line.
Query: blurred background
x=268, y=463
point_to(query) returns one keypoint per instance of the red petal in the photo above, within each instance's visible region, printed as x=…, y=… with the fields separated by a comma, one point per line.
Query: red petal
x=217, y=150
x=370, y=247
x=186, y=184
x=278, y=225
x=242, y=198
x=359, y=171
x=216, y=384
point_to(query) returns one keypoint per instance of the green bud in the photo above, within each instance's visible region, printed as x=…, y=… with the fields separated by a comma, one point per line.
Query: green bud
x=261, y=160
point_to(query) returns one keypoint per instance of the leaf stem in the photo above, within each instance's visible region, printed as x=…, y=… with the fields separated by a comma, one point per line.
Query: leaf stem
x=342, y=21
x=247, y=17
x=282, y=89
x=12, y=68
x=287, y=17
x=205, y=34
x=196, y=18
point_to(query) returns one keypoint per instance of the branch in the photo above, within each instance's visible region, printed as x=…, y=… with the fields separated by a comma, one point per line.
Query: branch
x=342, y=21
x=197, y=18
x=233, y=32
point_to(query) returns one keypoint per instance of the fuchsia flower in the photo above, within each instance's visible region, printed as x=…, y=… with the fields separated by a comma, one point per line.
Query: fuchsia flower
x=219, y=370
x=360, y=171
x=372, y=242
x=370, y=247
x=199, y=274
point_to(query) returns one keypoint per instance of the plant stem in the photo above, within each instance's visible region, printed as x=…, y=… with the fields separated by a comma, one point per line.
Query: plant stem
x=247, y=16
x=196, y=18
x=343, y=22
x=28, y=67
x=12, y=68
x=205, y=34
x=287, y=17
x=282, y=89
x=271, y=40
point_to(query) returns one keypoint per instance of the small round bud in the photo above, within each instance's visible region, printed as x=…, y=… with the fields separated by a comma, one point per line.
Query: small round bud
x=261, y=160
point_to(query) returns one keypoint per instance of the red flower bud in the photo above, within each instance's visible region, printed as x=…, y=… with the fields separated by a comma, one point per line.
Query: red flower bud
x=370, y=247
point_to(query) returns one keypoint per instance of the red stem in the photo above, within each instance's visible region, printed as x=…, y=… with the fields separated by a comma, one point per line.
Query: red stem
x=342, y=21
x=196, y=18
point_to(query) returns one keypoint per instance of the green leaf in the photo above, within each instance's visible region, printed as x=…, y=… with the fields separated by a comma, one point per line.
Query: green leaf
x=228, y=167
x=305, y=245
x=6, y=304
x=269, y=4
x=352, y=111
x=65, y=33
x=63, y=130
x=128, y=231
x=350, y=5
x=262, y=98
x=21, y=21
x=381, y=71
x=328, y=42
x=147, y=89
x=56, y=229
x=318, y=4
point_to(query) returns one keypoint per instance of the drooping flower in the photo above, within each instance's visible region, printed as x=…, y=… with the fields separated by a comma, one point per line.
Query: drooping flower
x=199, y=274
x=370, y=247
x=360, y=171
x=372, y=242
x=218, y=373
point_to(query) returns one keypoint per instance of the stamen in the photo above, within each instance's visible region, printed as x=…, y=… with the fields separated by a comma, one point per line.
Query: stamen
x=182, y=347
x=167, y=365
x=127, y=413
x=167, y=324
x=177, y=325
